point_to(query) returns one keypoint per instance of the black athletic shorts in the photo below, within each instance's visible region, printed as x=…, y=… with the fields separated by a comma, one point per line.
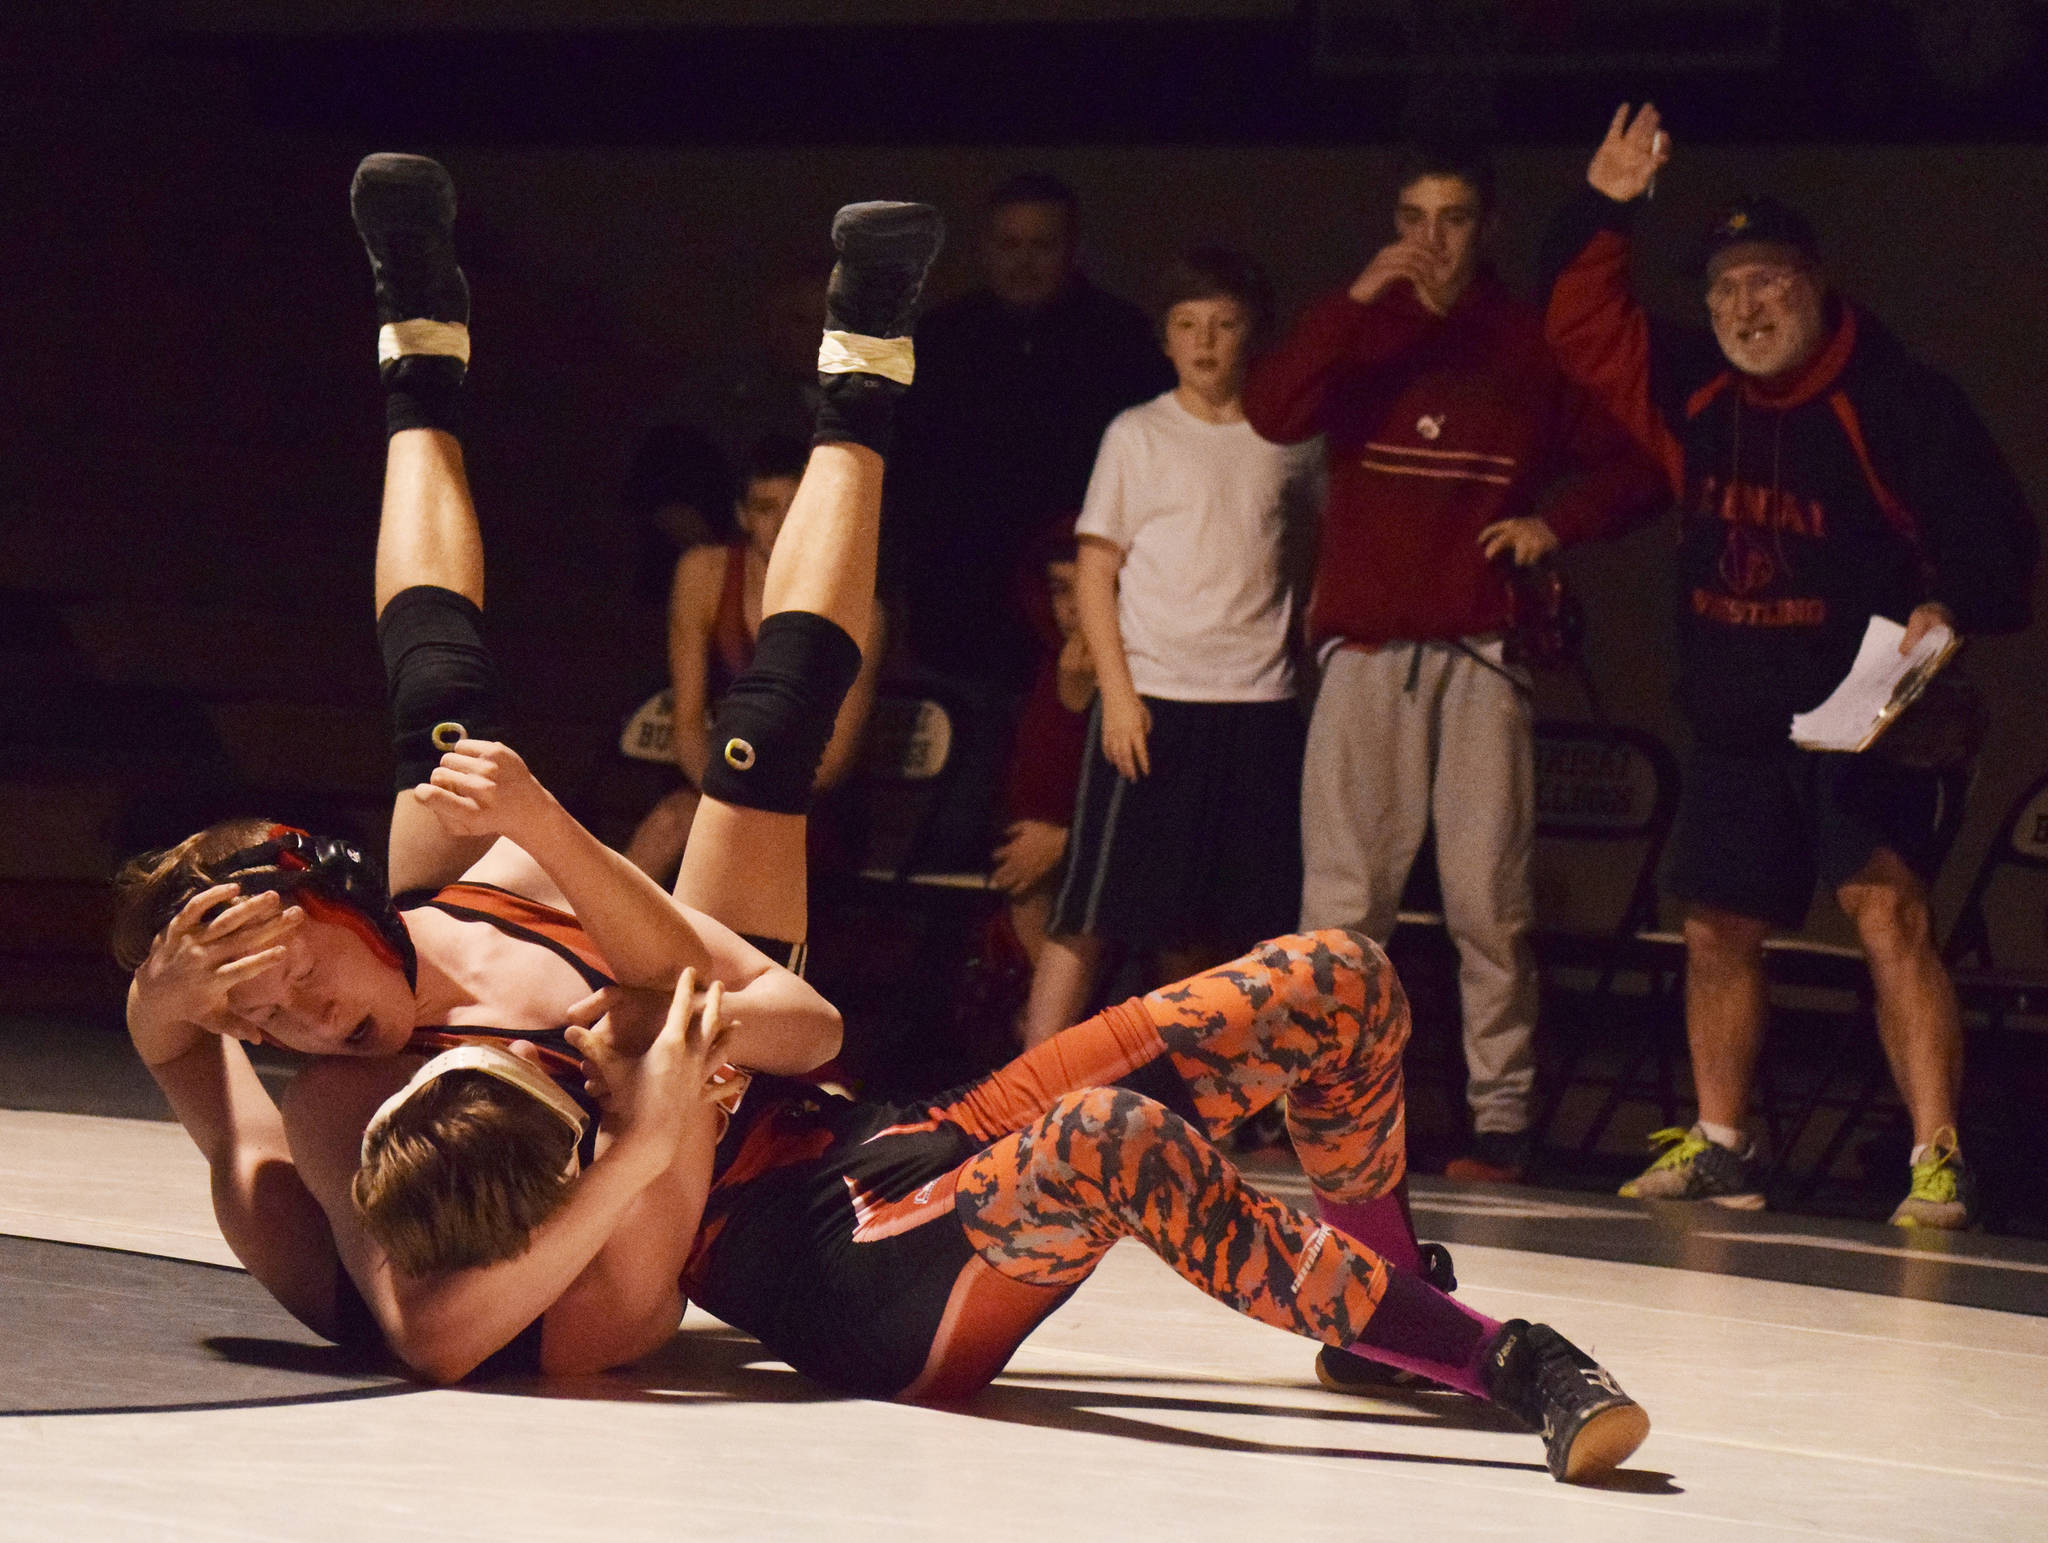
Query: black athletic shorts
x=780, y=1251
x=1206, y=848
x=1755, y=830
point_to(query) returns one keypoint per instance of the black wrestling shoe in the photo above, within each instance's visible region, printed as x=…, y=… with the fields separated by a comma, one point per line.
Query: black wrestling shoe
x=1343, y=1372
x=404, y=208
x=865, y=361
x=1589, y=1426
x=884, y=250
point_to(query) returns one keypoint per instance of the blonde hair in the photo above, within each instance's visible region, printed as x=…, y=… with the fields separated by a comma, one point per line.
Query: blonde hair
x=461, y=1174
x=149, y=889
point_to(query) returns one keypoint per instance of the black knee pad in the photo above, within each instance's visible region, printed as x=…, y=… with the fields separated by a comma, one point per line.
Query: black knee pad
x=438, y=671
x=773, y=725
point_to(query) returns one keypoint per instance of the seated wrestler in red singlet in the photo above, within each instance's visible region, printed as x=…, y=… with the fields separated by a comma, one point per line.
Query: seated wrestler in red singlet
x=511, y=925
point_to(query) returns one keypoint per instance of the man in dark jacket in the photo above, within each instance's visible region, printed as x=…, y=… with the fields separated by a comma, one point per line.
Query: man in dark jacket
x=1824, y=476
x=1456, y=448
x=1015, y=384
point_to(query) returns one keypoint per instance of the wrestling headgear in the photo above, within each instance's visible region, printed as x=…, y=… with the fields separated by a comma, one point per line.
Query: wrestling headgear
x=333, y=881
x=492, y=1062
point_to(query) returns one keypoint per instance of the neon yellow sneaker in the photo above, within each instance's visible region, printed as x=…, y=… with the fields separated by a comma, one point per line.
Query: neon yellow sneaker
x=1691, y=1167
x=1943, y=1194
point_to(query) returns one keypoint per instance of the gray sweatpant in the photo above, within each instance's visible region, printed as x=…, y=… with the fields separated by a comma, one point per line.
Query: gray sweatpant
x=1402, y=738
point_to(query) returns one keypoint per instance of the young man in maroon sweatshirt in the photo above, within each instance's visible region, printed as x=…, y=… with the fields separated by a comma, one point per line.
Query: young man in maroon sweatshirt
x=1456, y=448
x=1824, y=476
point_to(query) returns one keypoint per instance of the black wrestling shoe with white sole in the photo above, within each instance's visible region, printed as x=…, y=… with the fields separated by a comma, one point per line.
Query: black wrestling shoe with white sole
x=1341, y=1371
x=404, y=209
x=1590, y=1427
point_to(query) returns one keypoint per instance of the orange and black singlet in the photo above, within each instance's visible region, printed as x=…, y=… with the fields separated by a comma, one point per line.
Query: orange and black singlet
x=529, y=921
x=546, y=927
x=560, y=933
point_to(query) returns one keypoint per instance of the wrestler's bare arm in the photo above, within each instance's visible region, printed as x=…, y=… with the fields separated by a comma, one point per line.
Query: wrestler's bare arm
x=181, y=1018
x=603, y=1268
x=692, y=614
x=781, y=1024
x=264, y=1209
x=265, y=1212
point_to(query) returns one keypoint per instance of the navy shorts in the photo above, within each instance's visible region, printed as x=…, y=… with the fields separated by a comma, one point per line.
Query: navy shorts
x=1207, y=848
x=1756, y=830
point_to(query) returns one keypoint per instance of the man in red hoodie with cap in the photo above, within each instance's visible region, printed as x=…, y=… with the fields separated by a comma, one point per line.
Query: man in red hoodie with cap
x=1824, y=476
x=1456, y=448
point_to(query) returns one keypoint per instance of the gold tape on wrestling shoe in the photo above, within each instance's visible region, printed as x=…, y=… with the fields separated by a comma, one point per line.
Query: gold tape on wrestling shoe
x=852, y=353
x=447, y=736
x=396, y=339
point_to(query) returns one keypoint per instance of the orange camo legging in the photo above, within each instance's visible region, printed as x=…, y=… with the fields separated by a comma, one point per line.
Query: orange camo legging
x=1076, y=1164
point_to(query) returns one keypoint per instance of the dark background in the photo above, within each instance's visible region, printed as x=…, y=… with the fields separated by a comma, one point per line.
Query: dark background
x=190, y=429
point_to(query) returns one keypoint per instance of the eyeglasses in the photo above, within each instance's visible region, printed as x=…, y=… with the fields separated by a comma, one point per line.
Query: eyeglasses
x=1766, y=285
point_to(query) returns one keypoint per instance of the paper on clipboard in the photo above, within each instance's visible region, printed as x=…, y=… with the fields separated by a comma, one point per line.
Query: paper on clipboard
x=1880, y=685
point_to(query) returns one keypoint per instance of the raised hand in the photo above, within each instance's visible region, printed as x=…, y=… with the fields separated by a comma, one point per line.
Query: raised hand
x=199, y=961
x=483, y=788
x=1399, y=260
x=1626, y=164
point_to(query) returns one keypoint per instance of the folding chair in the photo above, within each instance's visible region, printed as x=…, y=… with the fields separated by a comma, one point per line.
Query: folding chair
x=906, y=919
x=2022, y=842
x=1602, y=786
x=2002, y=994
x=916, y=760
x=2004, y=919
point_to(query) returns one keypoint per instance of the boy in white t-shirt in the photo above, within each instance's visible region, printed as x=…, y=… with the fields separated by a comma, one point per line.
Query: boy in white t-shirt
x=1186, y=839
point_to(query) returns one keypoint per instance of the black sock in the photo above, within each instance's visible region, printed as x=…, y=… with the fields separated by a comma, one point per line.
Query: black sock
x=423, y=391
x=856, y=409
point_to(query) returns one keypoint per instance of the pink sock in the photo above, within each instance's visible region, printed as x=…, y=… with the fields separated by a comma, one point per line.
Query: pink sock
x=1417, y=1328
x=1381, y=1224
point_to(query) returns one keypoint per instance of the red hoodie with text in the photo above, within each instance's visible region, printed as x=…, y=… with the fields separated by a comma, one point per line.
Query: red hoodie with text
x=1434, y=428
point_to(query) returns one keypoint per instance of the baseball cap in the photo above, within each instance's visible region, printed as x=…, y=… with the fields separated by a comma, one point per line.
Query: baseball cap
x=1760, y=220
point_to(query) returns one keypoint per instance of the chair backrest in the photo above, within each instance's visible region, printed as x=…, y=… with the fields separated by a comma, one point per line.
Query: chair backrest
x=1606, y=784
x=2022, y=842
x=908, y=739
x=650, y=733
x=900, y=778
